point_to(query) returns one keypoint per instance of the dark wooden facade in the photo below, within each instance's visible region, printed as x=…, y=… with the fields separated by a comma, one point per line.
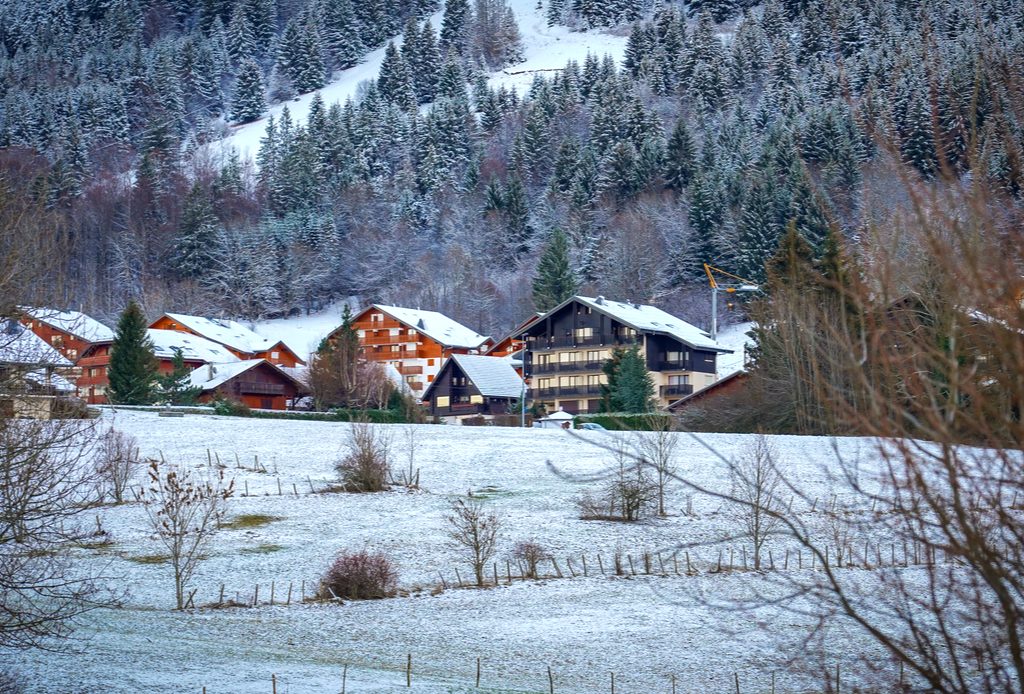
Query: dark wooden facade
x=453, y=394
x=261, y=387
x=568, y=347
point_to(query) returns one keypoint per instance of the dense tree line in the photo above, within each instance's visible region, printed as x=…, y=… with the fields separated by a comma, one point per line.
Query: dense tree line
x=705, y=144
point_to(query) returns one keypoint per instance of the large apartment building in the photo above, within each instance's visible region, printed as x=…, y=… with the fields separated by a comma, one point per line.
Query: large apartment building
x=567, y=347
x=415, y=342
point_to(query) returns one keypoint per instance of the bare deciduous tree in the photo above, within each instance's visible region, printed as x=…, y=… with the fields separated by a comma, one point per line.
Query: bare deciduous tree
x=530, y=554
x=474, y=531
x=46, y=485
x=116, y=461
x=658, y=449
x=755, y=487
x=185, y=513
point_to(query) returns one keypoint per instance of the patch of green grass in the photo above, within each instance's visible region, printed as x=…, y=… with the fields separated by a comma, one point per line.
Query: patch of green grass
x=95, y=544
x=249, y=520
x=262, y=549
x=149, y=558
x=491, y=492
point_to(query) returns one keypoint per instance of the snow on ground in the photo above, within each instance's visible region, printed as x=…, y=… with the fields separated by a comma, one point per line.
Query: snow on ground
x=544, y=48
x=644, y=628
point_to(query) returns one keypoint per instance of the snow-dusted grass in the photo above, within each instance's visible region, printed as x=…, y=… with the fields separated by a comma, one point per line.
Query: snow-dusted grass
x=644, y=628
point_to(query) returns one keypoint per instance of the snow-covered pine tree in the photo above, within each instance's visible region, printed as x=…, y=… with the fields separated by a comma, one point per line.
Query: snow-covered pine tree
x=133, y=366
x=554, y=281
x=340, y=35
x=249, y=100
x=455, y=26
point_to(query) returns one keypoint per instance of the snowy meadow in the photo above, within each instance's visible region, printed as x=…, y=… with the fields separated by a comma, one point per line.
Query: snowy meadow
x=673, y=618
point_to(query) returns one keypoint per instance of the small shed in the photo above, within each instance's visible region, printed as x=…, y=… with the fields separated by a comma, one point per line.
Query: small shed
x=556, y=420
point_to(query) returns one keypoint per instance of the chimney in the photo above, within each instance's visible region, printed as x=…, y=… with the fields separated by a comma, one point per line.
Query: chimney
x=211, y=371
x=600, y=301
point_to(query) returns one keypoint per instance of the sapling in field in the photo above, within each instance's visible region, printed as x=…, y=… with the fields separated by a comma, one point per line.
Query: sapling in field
x=755, y=489
x=474, y=531
x=185, y=513
x=366, y=466
x=117, y=459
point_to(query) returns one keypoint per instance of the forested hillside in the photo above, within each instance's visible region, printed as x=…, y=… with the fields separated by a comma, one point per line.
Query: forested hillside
x=723, y=124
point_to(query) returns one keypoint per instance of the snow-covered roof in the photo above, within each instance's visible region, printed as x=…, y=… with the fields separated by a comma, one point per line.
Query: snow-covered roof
x=21, y=346
x=226, y=332
x=653, y=319
x=211, y=376
x=41, y=377
x=436, y=326
x=494, y=377
x=74, y=323
x=193, y=347
x=559, y=416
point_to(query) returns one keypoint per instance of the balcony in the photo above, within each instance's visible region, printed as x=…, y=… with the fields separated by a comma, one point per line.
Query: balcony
x=674, y=366
x=410, y=370
x=567, y=366
x=372, y=340
x=257, y=388
x=677, y=390
x=416, y=385
x=565, y=392
x=541, y=343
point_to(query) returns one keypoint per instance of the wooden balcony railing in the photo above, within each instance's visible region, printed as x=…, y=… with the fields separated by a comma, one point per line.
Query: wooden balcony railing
x=410, y=370
x=257, y=388
x=676, y=390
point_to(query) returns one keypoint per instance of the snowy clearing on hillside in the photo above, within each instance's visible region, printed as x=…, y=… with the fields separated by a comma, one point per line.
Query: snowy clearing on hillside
x=544, y=49
x=645, y=628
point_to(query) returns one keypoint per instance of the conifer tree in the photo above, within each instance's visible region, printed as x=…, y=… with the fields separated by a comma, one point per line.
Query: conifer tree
x=341, y=34
x=173, y=387
x=680, y=157
x=249, y=101
x=454, y=26
x=133, y=365
x=555, y=281
x=629, y=388
x=195, y=248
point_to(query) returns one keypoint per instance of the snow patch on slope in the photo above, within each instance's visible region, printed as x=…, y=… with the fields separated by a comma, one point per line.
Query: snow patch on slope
x=544, y=49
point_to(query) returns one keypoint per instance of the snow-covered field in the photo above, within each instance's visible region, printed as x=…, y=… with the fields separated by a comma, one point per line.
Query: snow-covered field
x=544, y=49
x=643, y=628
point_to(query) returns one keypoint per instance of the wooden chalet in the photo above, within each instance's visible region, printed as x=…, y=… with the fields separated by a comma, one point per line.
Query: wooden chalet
x=68, y=332
x=471, y=385
x=238, y=339
x=31, y=380
x=415, y=342
x=512, y=344
x=195, y=351
x=567, y=347
x=256, y=383
x=727, y=387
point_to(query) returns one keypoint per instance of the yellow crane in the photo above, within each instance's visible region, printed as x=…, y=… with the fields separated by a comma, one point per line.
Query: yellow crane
x=732, y=285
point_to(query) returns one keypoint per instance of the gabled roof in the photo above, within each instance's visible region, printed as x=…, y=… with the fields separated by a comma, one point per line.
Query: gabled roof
x=74, y=323
x=517, y=333
x=494, y=377
x=193, y=347
x=20, y=346
x=436, y=326
x=650, y=319
x=48, y=379
x=709, y=389
x=212, y=376
x=226, y=332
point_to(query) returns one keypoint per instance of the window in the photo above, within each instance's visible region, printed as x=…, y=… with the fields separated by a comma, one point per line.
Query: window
x=394, y=332
x=674, y=356
x=546, y=383
x=582, y=333
x=430, y=362
x=683, y=380
x=361, y=334
x=593, y=355
x=275, y=355
x=411, y=333
x=476, y=399
x=430, y=379
x=441, y=401
x=594, y=379
x=376, y=317
x=568, y=357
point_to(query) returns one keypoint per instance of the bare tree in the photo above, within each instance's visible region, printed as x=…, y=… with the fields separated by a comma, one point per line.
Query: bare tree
x=530, y=554
x=185, y=513
x=627, y=491
x=755, y=487
x=657, y=448
x=46, y=486
x=410, y=476
x=475, y=532
x=366, y=466
x=116, y=461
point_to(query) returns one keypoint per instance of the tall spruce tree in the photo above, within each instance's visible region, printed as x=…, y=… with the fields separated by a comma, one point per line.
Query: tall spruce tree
x=249, y=101
x=630, y=386
x=555, y=281
x=133, y=365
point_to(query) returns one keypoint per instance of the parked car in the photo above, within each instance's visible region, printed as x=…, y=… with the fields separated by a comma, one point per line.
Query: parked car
x=592, y=426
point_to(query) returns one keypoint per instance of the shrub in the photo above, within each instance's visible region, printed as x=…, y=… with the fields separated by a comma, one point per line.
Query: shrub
x=231, y=408
x=359, y=576
x=117, y=459
x=529, y=553
x=366, y=466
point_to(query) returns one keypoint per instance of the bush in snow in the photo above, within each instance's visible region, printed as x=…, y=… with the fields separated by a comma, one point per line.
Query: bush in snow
x=116, y=461
x=359, y=576
x=366, y=466
x=529, y=554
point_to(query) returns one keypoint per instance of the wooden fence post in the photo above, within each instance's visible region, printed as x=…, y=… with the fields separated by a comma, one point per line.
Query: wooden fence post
x=272, y=585
x=584, y=557
x=600, y=564
x=551, y=681
x=289, y=602
x=344, y=678
x=273, y=683
x=478, y=672
x=408, y=670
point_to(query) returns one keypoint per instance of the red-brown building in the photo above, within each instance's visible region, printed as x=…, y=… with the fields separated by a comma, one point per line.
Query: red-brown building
x=195, y=351
x=69, y=332
x=413, y=341
x=256, y=383
x=242, y=342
